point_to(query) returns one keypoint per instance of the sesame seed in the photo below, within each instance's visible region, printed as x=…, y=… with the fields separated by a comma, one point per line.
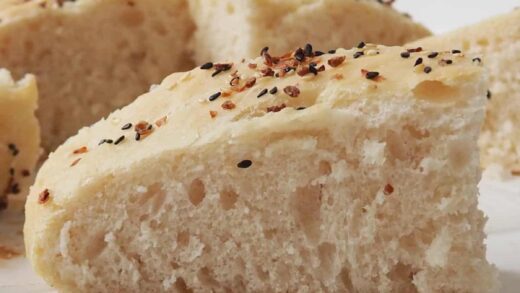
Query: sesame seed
x=11, y=171
x=244, y=164
x=312, y=69
x=126, y=126
x=371, y=74
x=109, y=141
x=488, y=95
x=216, y=72
x=137, y=136
x=14, y=150
x=418, y=61
x=358, y=54
x=405, y=54
x=318, y=53
x=214, y=96
x=263, y=92
x=361, y=45
x=206, y=66
x=26, y=173
x=15, y=188
x=332, y=52
x=427, y=69
x=264, y=50
x=119, y=140
x=477, y=60
x=300, y=108
x=299, y=54
x=456, y=51
x=273, y=91
x=308, y=50
x=433, y=55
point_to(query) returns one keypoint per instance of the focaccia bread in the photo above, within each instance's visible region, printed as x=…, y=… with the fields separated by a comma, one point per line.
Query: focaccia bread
x=19, y=138
x=242, y=28
x=333, y=173
x=496, y=42
x=91, y=56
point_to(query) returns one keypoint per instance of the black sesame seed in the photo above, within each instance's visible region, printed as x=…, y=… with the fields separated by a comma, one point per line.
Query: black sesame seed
x=119, y=140
x=361, y=45
x=312, y=68
x=263, y=92
x=332, y=52
x=449, y=61
x=216, y=72
x=427, y=69
x=405, y=54
x=478, y=60
x=455, y=51
x=372, y=74
x=11, y=171
x=264, y=50
x=150, y=127
x=488, y=95
x=273, y=91
x=300, y=108
x=15, y=188
x=137, y=136
x=299, y=54
x=245, y=164
x=358, y=54
x=433, y=55
x=109, y=141
x=14, y=150
x=418, y=61
x=126, y=126
x=318, y=53
x=214, y=96
x=207, y=66
x=308, y=50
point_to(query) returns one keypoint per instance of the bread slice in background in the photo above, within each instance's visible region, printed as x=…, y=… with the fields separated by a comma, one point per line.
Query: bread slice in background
x=496, y=42
x=91, y=56
x=19, y=138
x=243, y=28
x=257, y=177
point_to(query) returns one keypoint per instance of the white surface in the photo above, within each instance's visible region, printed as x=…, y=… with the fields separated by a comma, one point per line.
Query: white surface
x=445, y=15
x=500, y=201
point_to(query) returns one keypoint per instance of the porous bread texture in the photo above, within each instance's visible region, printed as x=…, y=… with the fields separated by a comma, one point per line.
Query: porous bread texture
x=91, y=56
x=240, y=29
x=19, y=138
x=497, y=42
x=371, y=188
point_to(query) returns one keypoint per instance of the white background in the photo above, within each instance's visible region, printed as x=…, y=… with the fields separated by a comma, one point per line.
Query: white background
x=444, y=15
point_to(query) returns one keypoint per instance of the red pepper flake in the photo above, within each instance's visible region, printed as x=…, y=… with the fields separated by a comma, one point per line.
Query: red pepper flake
x=389, y=189
x=44, y=196
x=235, y=81
x=291, y=91
x=303, y=71
x=252, y=65
x=161, y=121
x=336, y=61
x=75, y=162
x=276, y=108
x=213, y=114
x=415, y=50
x=338, y=76
x=228, y=105
x=143, y=129
x=250, y=82
x=267, y=71
x=81, y=150
x=226, y=94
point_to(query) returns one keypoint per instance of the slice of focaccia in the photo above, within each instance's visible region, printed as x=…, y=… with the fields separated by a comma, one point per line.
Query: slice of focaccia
x=243, y=28
x=91, y=56
x=19, y=138
x=496, y=42
x=333, y=173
